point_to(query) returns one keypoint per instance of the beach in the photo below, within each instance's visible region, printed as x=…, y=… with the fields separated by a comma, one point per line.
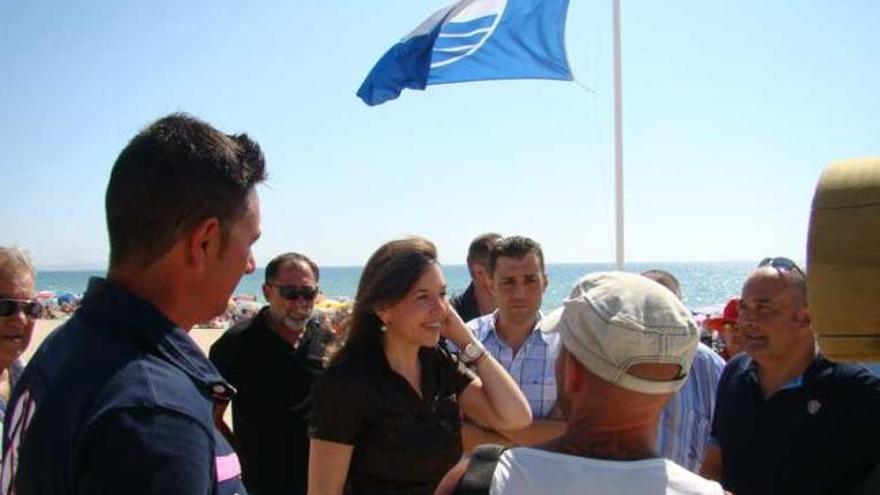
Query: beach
x=204, y=337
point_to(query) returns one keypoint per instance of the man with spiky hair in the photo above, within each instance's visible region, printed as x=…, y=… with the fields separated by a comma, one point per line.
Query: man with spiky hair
x=119, y=399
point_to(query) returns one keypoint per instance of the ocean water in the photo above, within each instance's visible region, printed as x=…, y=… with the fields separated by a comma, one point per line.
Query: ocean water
x=703, y=284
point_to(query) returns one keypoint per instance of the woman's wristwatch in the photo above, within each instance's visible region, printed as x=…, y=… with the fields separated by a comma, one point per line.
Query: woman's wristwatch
x=472, y=352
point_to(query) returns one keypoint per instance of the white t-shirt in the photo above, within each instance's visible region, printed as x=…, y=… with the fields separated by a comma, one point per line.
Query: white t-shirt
x=526, y=471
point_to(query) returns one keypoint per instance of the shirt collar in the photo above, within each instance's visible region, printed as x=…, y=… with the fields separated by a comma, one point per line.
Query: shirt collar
x=814, y=371
x=144, y=323
x=491, y=320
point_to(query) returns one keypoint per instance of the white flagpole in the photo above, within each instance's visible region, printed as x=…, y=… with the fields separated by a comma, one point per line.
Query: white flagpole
x=618, y=142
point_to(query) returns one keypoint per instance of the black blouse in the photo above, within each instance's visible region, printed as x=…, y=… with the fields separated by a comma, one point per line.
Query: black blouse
x=403, y=443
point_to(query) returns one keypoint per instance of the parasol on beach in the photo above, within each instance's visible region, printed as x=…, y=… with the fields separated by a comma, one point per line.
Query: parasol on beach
x=45, y=294
x=66, y=298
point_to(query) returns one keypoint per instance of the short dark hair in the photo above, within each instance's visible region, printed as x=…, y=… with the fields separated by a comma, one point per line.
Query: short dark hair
x=177, y=172
x=516, y=247
x=478, y=251
x=281, y=260
x=665, y=279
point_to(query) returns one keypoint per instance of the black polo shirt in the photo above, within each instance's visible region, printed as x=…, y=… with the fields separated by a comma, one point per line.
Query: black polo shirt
x=403, y=443
x=117, y=400
x=819, y=436
x=465, y=304
x=269, y=412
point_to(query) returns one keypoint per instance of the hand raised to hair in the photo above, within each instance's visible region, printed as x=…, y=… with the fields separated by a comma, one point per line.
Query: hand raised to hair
x=454, y=328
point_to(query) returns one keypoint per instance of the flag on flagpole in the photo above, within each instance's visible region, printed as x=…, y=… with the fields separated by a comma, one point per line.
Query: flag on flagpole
x=474, y=40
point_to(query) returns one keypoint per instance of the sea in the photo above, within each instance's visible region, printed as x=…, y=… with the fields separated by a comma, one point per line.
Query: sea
x=705, y=285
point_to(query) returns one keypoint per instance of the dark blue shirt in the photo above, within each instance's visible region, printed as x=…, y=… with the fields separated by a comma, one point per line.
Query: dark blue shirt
x=820, y=435
x=117, y=400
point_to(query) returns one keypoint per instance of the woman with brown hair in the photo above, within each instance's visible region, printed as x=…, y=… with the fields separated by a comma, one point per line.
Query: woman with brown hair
x=386, y=413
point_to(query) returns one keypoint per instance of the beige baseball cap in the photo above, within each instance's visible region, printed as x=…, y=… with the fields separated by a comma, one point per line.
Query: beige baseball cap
x=614, y=320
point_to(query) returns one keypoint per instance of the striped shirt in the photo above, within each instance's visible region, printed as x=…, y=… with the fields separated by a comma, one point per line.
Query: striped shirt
x=686, y=422
x=533, y=367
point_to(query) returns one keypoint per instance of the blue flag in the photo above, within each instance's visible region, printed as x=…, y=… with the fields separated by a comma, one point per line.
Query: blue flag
x=474, y=40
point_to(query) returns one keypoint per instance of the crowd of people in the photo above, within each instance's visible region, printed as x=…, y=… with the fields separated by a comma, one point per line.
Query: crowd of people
x=405, y=391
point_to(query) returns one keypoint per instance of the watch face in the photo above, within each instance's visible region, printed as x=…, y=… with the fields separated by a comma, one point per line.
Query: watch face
x=471, y=351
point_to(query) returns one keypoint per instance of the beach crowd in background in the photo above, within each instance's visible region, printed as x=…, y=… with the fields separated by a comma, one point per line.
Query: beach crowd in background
x=403, y=389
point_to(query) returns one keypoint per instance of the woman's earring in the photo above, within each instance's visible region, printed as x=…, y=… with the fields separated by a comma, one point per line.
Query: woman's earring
x=383, y=328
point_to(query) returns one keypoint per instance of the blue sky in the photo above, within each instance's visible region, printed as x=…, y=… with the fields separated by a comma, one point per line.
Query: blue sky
x=731, y=111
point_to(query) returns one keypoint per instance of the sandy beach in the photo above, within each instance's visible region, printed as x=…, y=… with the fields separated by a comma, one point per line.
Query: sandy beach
x=204, y=337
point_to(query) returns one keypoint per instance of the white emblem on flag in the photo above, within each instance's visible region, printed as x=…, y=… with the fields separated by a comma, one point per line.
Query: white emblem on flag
x=467, y=28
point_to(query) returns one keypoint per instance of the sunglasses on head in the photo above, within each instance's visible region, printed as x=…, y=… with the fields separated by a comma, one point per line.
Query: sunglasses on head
x=293, y=292
x=30, y=308
x=782, y=263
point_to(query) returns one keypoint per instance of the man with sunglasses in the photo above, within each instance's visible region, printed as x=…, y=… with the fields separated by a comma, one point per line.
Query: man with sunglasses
x=272, y=360
x=18, y=312
x=787, y=420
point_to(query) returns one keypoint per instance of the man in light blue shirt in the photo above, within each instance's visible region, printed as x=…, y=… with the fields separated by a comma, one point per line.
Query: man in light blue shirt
x=511, y=333
x=686, y=422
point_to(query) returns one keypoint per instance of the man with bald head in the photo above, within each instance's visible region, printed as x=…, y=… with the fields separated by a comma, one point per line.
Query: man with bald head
x=627, y=344
x=787, y=420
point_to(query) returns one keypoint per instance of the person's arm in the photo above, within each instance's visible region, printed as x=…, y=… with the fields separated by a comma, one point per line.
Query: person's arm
x=493, y=399
x=538, y=432
x=220, y=422
x=473, y=435
x=451, y=480
x=340, y=412
x=712, y=464
x=328, y=467
x=223, y=357
x=145, y=451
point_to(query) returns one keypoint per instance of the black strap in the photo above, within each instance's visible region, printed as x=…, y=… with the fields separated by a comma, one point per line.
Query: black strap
x=477, y=479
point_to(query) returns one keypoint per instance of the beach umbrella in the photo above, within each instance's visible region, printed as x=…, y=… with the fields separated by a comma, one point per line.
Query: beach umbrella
x=66, y=298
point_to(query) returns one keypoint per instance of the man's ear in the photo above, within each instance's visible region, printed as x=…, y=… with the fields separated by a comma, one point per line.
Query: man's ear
x=479, y=274
x=574, y=375
x=203, y=243
x=491, y=284
x=804, y=316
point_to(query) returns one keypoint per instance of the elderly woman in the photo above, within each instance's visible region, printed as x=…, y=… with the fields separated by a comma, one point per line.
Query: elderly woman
x=18, y=311
x=387, y=412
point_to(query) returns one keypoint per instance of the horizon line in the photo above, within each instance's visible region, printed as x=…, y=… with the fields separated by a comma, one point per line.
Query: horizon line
x=83, y=267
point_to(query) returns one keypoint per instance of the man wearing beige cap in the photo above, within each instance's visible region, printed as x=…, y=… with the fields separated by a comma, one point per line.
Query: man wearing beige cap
x=627, y=344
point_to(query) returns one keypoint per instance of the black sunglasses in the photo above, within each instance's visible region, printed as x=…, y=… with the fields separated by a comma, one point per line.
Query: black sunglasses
x=782, y=263
x=32, y=309
x=293, y=292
